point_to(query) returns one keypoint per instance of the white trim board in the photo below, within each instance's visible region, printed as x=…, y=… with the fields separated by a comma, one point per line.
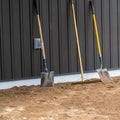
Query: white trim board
x=57, y=79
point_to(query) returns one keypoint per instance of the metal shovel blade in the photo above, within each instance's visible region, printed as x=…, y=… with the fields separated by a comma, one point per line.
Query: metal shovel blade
x=47, y=79
x=104, y=75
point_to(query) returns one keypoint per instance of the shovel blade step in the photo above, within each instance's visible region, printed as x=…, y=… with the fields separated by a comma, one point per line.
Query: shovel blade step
x=104, y=75
x=47, y=79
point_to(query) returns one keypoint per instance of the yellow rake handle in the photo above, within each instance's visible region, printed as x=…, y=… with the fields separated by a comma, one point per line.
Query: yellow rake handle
x=77, y=40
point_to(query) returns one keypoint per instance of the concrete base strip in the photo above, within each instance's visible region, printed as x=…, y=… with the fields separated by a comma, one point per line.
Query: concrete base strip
x=57, y=79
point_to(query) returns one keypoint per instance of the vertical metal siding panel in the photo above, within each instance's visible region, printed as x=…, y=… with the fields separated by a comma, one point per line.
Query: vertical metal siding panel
x=22, y=37
x=118, y=13
x=113, y=34
x=6, y=50
x=98, y=18
x=54, y=40
x=81, y=28
x=0, y=56
x=0, y=45
x=41, y=18
x=32, y=16
x=89, y=38
x=16, y=39
x=63, y=39
x=45, y=24
x=106, y=33
x=25, y=38
x=12, y=38
x=73, y=59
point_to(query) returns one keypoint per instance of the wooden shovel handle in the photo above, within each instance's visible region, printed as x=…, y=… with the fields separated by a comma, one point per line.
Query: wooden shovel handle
x=77, y=40
x=41, y=37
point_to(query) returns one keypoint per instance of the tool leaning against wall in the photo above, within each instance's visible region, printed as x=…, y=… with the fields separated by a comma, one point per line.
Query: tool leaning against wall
x=103, y=73
x=77, y=39
x=47, y=77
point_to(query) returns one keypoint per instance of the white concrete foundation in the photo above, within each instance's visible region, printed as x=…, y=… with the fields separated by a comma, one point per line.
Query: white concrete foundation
x=57, y=79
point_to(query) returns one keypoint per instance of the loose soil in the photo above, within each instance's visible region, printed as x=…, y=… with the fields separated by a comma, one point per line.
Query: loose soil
x=92, y=100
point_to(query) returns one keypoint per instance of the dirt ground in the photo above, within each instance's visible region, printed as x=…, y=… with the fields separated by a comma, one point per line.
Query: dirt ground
x=92, y=100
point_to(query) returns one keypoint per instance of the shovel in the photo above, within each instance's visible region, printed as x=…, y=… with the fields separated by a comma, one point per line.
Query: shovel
x=77, y=39
x=103, y=73
x=47, y=78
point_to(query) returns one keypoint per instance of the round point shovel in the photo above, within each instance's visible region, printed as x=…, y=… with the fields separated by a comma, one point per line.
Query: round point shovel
x=103, y=73
x=47, y=78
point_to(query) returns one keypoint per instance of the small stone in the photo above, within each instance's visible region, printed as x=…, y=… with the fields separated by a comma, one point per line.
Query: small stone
x=24, y=118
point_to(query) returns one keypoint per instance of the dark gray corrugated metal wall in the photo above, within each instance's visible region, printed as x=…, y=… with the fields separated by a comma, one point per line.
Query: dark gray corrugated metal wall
x=18, y=27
